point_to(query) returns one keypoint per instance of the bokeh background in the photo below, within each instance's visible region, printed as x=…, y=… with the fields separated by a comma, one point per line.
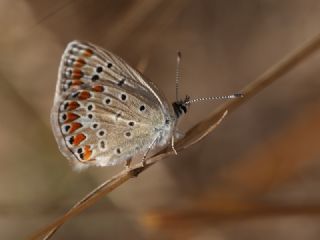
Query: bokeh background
x=255, y=177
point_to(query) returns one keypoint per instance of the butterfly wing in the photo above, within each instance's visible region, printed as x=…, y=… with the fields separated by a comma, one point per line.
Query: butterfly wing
x=104, y=111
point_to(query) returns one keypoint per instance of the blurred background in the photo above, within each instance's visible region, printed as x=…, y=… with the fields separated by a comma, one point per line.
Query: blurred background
x=257, y=176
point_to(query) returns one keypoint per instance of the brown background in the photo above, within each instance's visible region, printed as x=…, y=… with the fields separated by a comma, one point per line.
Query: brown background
x=256, y=177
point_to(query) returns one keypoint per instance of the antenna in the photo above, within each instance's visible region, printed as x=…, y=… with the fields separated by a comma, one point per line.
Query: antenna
x=178, y=74
x=236, y=95
x=181, y=106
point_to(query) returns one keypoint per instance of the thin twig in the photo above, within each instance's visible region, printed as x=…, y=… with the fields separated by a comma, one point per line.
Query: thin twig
x=194, y=135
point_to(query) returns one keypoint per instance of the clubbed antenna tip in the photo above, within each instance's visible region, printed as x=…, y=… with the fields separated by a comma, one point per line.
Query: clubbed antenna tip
x=179, y=55
x=236, y=95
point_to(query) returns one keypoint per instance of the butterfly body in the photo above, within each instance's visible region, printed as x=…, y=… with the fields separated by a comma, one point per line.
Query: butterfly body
x=104, y=111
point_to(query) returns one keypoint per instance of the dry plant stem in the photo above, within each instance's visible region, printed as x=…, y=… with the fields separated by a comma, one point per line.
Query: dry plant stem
x=195, y=134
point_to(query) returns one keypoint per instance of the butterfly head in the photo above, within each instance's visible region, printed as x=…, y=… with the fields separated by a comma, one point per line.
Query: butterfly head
x=181, y=106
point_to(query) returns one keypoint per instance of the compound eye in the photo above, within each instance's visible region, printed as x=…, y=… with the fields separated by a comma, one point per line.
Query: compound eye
x=167, y=122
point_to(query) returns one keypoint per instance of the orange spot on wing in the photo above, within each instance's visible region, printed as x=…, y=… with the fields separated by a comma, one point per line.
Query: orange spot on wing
x=84, y=95
x=98, y=88
x=79, y=62
x=75, y=126
x=78, y=139
x=76, y=82
x=73, y=105
x=71, y=117
x=76, y=74
x=87, y=152
x=87, y=52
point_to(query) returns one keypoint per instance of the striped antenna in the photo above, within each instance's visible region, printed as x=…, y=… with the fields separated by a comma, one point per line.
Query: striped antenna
x=236, y=95
x=178, y=74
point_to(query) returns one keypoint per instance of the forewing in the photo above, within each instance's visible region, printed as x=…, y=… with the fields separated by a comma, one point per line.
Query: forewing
x=104, y=111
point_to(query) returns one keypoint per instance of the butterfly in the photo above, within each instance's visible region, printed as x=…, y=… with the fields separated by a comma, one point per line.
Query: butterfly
x=105, y=112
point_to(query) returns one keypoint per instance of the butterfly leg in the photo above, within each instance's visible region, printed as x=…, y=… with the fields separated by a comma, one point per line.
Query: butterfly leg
x=148, y=150
x=128, y=163
x=172, y=145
